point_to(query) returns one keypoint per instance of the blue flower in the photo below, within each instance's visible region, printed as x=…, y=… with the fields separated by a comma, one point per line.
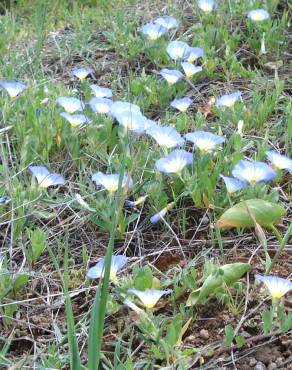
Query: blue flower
x=181, y=104
x=228, y=100
x=205, y=141
x=101, y=92
x=13, y=88
x=258, y=15
x=167, y=22
x=233, y=185
x=207, y=5
x=190, y=69
x=132, y=122
x=178, y=50
x=100, y=105
x=171, y=75
x=119, y=107
x=277, y=286
x=81, y=73
x=149, y=297
x=117, y=263
x=45, y=178
x=3, y=200
x=153, y=30
x=160, y=215
x=76, y=120
x=194, y=53
x=131, y=203
x=110, y=182
x=166, y=136
x=70, y=104
x=253, y=172
x=280, y=161
x=175, y=162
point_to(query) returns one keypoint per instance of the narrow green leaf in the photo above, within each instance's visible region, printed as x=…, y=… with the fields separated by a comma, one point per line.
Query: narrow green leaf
x=93, y=340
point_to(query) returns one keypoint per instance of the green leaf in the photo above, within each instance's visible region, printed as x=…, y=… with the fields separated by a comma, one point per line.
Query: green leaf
x=38, y=240
x=143, y=278
x=286, y=324
x=20, y=281
x=244, y=213
x=267, y=317
x=229, y=335
x=226, y=275
x=9, y=311
x=240, y=341
x=173, y=331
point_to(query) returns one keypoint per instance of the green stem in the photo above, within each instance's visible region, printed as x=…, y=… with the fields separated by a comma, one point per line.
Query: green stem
x=283, y=243
x=277, y=234
x=95, y=339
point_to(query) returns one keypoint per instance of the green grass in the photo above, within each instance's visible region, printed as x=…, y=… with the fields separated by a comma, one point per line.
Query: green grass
x=81, y=326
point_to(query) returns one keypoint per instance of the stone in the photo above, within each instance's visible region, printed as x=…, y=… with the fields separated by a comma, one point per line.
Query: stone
x=204, y=334
x=260, y=366
x=272, y=366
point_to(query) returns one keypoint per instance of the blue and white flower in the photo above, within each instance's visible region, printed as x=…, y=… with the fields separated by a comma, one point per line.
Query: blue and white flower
x=45, y=178
x=76, y=120
x=110, y=182
x=119, y=107
x=178, y=50
x=228, y=100
x=281, y=162
x=253, y=172
x=175, y=162
x=190, y=69
x=205, y=141
x=160, y=215
x=101, y=92
x=70, y=104
x=194, y=53
x=240, y=125
x=117, y=263
x=81, y=72
x=149, y=297
x=100, y=105
x=233, y=185
x=83, y=204
x=149, y=123
x=132, y=122
x=132, y=203
x=134, y=307
x=13, y=88
x=277, y=286
x=153, y=30
x=171, y=75
x=167, y=22
x=166, y=136
x=207, y=5
x=181, y=104
x=263, y=45
x=258, y=15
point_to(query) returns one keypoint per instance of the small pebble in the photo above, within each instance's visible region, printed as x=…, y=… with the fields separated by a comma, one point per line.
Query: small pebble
x=205, y=220
x=279, y=361
x=204, y=334
x=252, y=362
x=260, y=366
x=272, y=366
